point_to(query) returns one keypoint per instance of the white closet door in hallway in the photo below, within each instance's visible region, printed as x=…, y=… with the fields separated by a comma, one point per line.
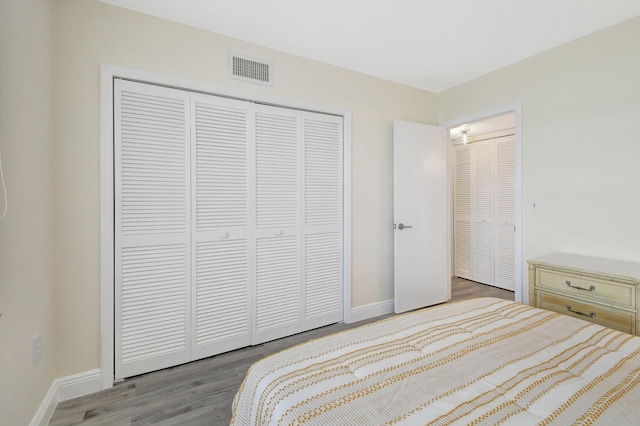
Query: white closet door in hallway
x=505, y=214
x=220, y=244
x=482, y=200
x=484, y=211
x=462, y=212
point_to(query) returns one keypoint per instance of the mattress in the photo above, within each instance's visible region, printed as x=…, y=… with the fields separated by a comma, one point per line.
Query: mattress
x=483, y=361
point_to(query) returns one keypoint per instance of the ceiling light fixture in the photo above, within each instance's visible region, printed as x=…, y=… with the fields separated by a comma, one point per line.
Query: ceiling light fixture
x=464, y=133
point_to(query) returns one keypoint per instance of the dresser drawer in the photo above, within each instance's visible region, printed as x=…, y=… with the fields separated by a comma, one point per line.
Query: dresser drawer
x=623, y=321
x=607, y=292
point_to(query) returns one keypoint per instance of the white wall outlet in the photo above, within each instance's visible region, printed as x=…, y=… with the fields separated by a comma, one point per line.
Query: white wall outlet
x=37, y=348
x=534, y=207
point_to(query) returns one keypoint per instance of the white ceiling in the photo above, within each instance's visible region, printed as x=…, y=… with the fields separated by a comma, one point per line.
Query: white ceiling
x=429, y=44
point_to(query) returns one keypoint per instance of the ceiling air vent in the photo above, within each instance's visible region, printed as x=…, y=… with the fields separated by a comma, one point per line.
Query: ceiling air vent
x=250, y=69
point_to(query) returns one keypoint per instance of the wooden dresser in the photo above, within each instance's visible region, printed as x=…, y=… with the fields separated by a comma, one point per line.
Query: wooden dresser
x=606, y=292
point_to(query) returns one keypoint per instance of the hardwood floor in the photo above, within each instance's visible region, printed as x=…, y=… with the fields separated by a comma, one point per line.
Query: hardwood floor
x=463, y=289
x=201, y=392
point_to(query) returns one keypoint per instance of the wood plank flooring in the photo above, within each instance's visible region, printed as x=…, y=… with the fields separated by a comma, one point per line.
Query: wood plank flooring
x=201, y=392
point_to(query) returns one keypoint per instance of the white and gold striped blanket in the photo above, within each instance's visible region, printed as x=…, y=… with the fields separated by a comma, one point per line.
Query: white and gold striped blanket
x=483, y=361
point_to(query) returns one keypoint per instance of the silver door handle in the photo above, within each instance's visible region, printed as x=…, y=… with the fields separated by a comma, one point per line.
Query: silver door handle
x=401, y=226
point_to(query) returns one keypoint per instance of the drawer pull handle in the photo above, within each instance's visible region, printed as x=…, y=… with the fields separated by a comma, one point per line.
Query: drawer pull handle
x=590, y=314
x=577, y=287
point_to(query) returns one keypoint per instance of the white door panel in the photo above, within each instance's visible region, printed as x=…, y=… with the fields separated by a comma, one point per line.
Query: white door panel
x=505, y=237
x=276, y=228
x=462, y=243
x=421, y=252
x=221, y=255
x=484, y=211
x=152, y=225
x=228, y=224
x=322, y=225
x=483, y=194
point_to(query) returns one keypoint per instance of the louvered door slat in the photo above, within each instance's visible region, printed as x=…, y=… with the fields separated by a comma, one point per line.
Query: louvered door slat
x=221, y=309
x=276, y=144
x=483, y=200
x=462, y=212
x=322, y=213
x=483, y=180
x=462, y=180
x=221, y=164
x=505, y=178
x=483, y=256
x=463, y=244
x=221, y=318
x=277, y=223
x=505, y=213
x=152, y=227
x=228, y=223
x=277, y=287
x=322, y=144
x=323, y=280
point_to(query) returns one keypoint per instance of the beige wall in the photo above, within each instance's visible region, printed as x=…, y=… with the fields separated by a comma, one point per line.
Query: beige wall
x=580, y=142
x=88, y=33
x=26, y=289
x=580, y=151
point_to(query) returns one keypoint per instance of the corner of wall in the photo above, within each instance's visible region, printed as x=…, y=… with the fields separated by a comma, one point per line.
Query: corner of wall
x=64, y=389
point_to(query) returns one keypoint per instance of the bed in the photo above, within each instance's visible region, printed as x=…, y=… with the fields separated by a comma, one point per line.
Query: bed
x=482, y=361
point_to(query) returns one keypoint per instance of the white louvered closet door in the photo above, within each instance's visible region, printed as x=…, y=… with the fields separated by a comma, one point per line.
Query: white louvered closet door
x=505, y=213
x=228, y=224
x=483, y=193
x=221, y=255
x=152, y=227
x=462, y=212
x=322, y=225
x=276, y=230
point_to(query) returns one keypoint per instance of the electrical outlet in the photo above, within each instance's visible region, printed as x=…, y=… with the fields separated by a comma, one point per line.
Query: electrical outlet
x=37, y=348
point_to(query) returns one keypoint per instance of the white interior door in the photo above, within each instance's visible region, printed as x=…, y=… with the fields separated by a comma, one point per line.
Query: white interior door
x=221, y=314
x=298, y=221
x=421, y=215
x=505, y=214
x=484, y=211
x=152, y=228
x=278, y=292
x=483, y=200
x=228, y=224
x=322, y=226
x=462, y=242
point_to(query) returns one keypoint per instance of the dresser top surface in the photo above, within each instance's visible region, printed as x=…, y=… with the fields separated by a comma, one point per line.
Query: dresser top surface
x=591, y=264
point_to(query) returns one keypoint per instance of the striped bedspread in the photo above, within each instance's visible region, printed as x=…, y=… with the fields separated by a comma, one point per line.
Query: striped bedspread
x=482, y=361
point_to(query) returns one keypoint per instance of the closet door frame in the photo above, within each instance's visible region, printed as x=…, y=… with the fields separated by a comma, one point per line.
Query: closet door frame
x=516, y=108
x=108, y=73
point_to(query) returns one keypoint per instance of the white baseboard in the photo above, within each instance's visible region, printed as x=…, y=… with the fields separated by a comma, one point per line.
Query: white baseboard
x=79, y=384
x=371, y=310
x=65, y=388
x=47, y=407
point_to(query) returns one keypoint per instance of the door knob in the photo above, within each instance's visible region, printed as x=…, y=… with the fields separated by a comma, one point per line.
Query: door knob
x=401, y=226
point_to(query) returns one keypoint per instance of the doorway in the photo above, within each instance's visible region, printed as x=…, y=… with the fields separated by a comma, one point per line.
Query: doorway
x=485, y=200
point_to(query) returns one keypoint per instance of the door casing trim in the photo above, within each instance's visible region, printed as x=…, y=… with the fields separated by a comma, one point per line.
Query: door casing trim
x=108, y=73
x=516, y=108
